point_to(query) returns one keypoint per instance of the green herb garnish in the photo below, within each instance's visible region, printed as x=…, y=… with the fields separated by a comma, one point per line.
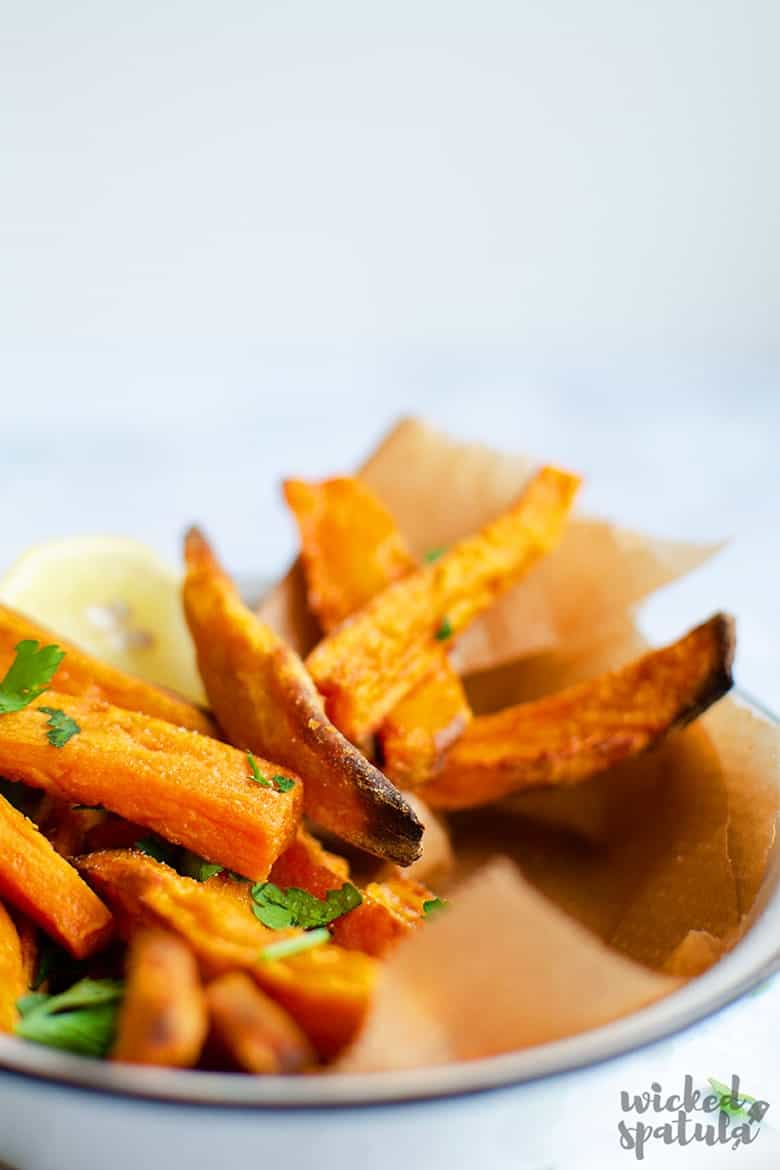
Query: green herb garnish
x=156, y=848
x=87, y=808
x=81, y=1019
x=293, y=946
x=62, y=726
x=433, y=554
x=280, y=783
x=444, y=631
x=726, y=1102
x=433, y=906
x=279, y=909
x=28, y=675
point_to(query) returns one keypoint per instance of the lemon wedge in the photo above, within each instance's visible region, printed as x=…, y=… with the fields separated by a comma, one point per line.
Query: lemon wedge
x=113, y=597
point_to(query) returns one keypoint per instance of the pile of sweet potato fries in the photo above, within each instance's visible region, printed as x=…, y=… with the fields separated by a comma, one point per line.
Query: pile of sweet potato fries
x=218, y=889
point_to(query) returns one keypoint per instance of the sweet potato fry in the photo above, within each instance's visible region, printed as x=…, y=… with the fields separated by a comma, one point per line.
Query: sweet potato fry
x=266, y=702
x=326, y=990
x=163, y=1018
x=40, y=883
x=67, y=827
x=253, y=1032
x=366, y=666
x=567, y=737
x=189, y=788
x=350, y=545
x=389, y=910
x=13, y=978
x=351, y=550
x=417, y=733
x=82, y=675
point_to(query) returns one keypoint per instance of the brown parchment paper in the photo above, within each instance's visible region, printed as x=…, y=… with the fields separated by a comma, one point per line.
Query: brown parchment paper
x=660, y=858
x=496, y=992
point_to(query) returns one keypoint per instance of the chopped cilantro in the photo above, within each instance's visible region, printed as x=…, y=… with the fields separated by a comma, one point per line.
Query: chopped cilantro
x=28, y=675
x=81, y=1019
x=156, y=848
x=444, y=631
x=433, y=906
x=280, y=783
x=279, y=909
x=293, y=946
x=727, y=1103
x=433, y=554
x=62, y=727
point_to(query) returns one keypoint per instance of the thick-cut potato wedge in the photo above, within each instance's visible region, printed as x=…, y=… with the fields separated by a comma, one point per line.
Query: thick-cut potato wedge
x=417, y=733
x=265, y=701
x=163, y=1018
x=350, y=545
x=326, y=990
x=81, y=674
x=389, y=910
x=40, y=883
x=366, y=666
x=253, y=1032
x=189, y=788
x=351, y=550
x=576, y=733
x=13, y=976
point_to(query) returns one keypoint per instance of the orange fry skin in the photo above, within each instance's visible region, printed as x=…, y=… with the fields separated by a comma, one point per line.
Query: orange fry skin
x=350, y=546
x=265, y=701
x=253, y=1032
x=13, y=976
x=189, y=788
x=418, y=731
x=163, y=1017
x=585, y=729
x=82, y=675
x=46, y=888
x=326, y=990
x=308, y=866
x=351, y=550
x=366, y=666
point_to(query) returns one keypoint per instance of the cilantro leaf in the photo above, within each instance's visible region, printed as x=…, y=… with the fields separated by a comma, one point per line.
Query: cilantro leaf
x=282, y=783
x=433, y=906
x=157, y=849
x=433, y=554
x=62, y=726
x=279, y=909
x=726, y=1102
x=257, y=775
x=197, y=867
x=293, y=946
x=81, y=1019
x=279, y=782
x=444, y=631
x=28, y=675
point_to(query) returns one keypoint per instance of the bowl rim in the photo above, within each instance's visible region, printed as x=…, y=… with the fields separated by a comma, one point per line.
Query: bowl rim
x=754, y=960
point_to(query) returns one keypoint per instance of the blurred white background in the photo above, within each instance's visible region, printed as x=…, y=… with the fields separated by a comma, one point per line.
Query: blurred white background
x=239, y=238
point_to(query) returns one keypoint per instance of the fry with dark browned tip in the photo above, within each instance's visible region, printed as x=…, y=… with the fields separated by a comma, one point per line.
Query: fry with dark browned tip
x=82, y=675
x=367, y=665
x=192, y=790
x=265, y=701
x=163, y=1018
x=251, y=1032
x=567, y=737
x=352, y=549
x=45, y=887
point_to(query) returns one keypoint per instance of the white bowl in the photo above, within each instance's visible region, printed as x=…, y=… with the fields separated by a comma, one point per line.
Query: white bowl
x=62, y=1112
